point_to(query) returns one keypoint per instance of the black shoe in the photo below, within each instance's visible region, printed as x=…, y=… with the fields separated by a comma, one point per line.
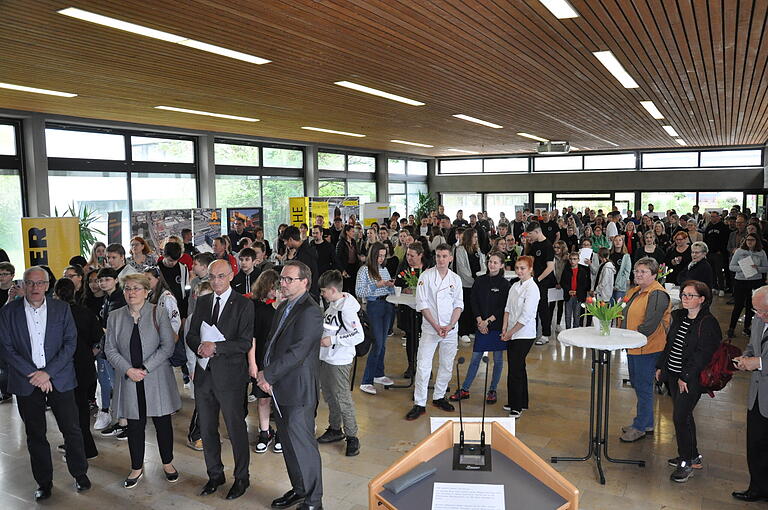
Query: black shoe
x=310, y=507
x=82, y=483
x=211, y=486
x=6, y=397
x=353, y=446
x=122, y=434
x=287, y=500
x=61, y=448
x=415, y=412
x=43, y=492
x=408, y=374
x=171, y=477
x=331, y=436
x=112, y=430
x=443, y=404
x=130, y=483
x=238, y=489
x=747, y=495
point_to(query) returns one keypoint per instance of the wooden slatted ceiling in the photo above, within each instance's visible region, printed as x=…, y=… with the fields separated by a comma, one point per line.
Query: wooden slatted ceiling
x=703, y=62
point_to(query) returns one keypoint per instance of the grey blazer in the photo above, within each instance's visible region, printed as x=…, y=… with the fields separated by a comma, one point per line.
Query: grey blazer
x=160, y=388
x=758, y=384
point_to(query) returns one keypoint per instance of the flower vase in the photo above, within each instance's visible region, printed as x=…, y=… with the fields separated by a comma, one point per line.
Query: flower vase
x=604, y=327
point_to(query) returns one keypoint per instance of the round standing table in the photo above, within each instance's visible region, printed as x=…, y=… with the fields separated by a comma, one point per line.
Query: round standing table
x=599, y=399
x=409, y=300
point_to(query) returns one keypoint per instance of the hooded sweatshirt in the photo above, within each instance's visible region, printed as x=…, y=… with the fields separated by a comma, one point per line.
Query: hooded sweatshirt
x=349, y=332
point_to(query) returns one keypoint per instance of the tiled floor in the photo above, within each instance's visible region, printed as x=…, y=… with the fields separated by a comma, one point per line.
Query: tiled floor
x=556, y=424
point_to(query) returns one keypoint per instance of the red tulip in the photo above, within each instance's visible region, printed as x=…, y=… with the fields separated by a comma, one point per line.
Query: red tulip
x=590, y=300
x=625, y=299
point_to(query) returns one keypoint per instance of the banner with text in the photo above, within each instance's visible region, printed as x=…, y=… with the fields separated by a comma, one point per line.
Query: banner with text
x=50, y=242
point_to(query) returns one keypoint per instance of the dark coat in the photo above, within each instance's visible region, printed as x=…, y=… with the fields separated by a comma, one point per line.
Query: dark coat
x=701, y=271
x=89, y=334
x=701, y=342
x=583, y=283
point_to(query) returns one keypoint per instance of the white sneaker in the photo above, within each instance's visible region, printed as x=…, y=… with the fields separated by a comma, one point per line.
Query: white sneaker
x=465, y=339
x=384, y=381
x=368, y=388
x=721, y=293
x=188, y=386
x=251, y=398
x=103, y=420
x=542, y=340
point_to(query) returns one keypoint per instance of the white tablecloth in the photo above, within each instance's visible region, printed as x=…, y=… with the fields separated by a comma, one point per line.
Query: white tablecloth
x=590, y=338
x=403, y=299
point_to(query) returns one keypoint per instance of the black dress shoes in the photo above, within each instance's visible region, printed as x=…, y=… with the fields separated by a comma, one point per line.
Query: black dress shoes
x=749, y=495
x=211, y=486
x=238, y=489
x=288, y=499
x=310, y=507
x=82, y=483
x=43, y=492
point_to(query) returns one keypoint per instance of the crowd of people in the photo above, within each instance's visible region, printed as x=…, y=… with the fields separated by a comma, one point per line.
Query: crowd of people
x=241, y=324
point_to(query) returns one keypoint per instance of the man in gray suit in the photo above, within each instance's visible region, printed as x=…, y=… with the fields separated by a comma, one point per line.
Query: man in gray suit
x=222, y=385
x=289, y=374
x=755, y=360
x=38, y=338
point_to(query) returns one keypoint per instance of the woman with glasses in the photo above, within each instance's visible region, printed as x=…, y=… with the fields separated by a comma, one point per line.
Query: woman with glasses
x=141, y=255
x=699, y=268
x=76, y=275
x=693, y=231
x=678, y=257
x=138, y=345
x=648, y=312
x=751, y=255
x=693, y=337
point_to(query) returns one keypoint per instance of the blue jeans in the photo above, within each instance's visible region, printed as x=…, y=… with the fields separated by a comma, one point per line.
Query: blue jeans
x=106, y=374
x=380, y=316
x=498, y=366
x=642, y=371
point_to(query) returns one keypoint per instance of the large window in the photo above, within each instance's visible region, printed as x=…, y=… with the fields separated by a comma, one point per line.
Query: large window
x=732, y=158
x=163, y=191
x=670, y=160
x=283, y=158
x=238, y=191
x=682, y=202
x=165, y=150
x=276, y=192
x=236, y=154
x=331, y=188
x=102, y=192
x=722, y=200
x=461, y=166
x=7, y=140
x=366, y=190
x=65, y=143
x=511, y=165
x=470, y=203
x=508, y=203
x=11, y=211
x=557, y=163
x=412, y=196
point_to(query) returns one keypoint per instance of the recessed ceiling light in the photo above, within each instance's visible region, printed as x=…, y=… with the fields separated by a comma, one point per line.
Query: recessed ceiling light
x=412, y=143
x=655, y=113
x=158, y=34
x=332, y=131
x=680, y=141
x=611, y=63
x=670, y=130
x=209, y=114
x=560, y=8
x=477, y=121
x=22, y=88
x=463, y=151
x=533, y=137
x=376, y=92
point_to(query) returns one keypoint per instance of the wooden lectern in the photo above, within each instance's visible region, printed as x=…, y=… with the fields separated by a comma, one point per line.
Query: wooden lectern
x=529, y=482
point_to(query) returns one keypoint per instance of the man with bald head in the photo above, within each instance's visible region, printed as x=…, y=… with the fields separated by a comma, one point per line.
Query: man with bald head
x=755, y=360
x=38, y=338
x=221, y=383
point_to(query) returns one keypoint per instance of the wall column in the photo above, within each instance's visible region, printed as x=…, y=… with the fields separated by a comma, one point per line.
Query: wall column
x=35, y=166
x=206, y=171
x=311, y=179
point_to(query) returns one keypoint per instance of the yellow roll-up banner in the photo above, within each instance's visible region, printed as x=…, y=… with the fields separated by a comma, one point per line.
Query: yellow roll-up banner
x=50, y=242
x=299, y=210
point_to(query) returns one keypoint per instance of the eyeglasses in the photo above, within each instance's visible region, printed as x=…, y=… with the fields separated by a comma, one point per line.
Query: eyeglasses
x=3, y=275
x=133, y=289
x=218, y=276
x=689, y=296
x=289, y=280
x=30, y=283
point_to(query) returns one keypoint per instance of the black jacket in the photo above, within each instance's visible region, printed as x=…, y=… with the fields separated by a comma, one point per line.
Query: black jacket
x=308, y=255
x=672, y=254
x=489, y=297
x=342, y=256
x=111, y=303
x=325, y=256
x=701, y=342
x=701, y=271
x=89, y=334
x=716, y=236
x=583, y=283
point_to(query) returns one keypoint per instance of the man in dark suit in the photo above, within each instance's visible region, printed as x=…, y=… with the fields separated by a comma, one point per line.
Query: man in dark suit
x=289, y=374
x=222, y=383
x=755, y=360
x=291, y=236
x=38, y=338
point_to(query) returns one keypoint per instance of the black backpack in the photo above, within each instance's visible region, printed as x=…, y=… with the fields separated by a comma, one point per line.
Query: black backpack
x=363, y=347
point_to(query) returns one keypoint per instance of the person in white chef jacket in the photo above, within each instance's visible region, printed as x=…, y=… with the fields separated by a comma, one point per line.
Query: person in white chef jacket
x=439, y=297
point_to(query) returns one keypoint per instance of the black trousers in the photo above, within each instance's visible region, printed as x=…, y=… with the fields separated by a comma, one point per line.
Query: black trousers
x=137, y=428
x=231, y=404
x=32, y=412
x=467, y=323
x=3, y=377
x=517, y=376
x=717, y=261
x=757, y=445
x=682, y=417
x=411, y=344
x=543, y=313
x=194, y=426
x=742, y=296
x=302, y=458
x=560, y=307
x=82, y=396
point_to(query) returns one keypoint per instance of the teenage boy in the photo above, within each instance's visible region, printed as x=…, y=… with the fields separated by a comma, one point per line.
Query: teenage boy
x=116, y=260
x=575, y=282
x=440, y=299
x=246, y=277
x=343, y=331
x=544, y=273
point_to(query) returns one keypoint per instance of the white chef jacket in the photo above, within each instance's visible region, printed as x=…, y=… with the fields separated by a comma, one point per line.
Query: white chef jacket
x=440, y=295
x=522, y=303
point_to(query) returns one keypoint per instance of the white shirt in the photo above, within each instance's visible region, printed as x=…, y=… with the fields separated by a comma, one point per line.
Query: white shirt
x=224, y=297
x=522, y=303
x=37, y=319
x=440, y=295
x=611, y=230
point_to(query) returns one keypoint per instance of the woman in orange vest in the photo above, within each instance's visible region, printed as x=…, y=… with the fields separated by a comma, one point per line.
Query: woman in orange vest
x=648, y=312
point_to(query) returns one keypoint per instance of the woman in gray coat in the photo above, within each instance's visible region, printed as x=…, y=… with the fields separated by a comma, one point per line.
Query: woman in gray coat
x=139, y=341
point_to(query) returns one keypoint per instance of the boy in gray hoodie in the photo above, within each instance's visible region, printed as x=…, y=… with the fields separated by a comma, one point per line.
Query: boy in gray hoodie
x=342, y=331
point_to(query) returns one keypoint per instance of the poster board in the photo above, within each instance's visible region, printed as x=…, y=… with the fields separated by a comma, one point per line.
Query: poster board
x=375, y=212
x=155, y=226
x=206, y=226
x=306, y=209
x=252, y=217
x=114, y=227
x=298, y=211
x=50, y=242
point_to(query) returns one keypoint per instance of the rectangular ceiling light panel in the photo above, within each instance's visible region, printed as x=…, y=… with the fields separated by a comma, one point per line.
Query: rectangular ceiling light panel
x=561, y=9
x=613, y=65
x=209, y=114
x=23, y=88
x=411, y=143
x=477, y=121
x=332, y=131
x=377, y=92
x=651, y=108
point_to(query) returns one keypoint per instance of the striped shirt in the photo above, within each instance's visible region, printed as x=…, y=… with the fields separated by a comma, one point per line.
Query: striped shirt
x=675, y=360
x=365, y=286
